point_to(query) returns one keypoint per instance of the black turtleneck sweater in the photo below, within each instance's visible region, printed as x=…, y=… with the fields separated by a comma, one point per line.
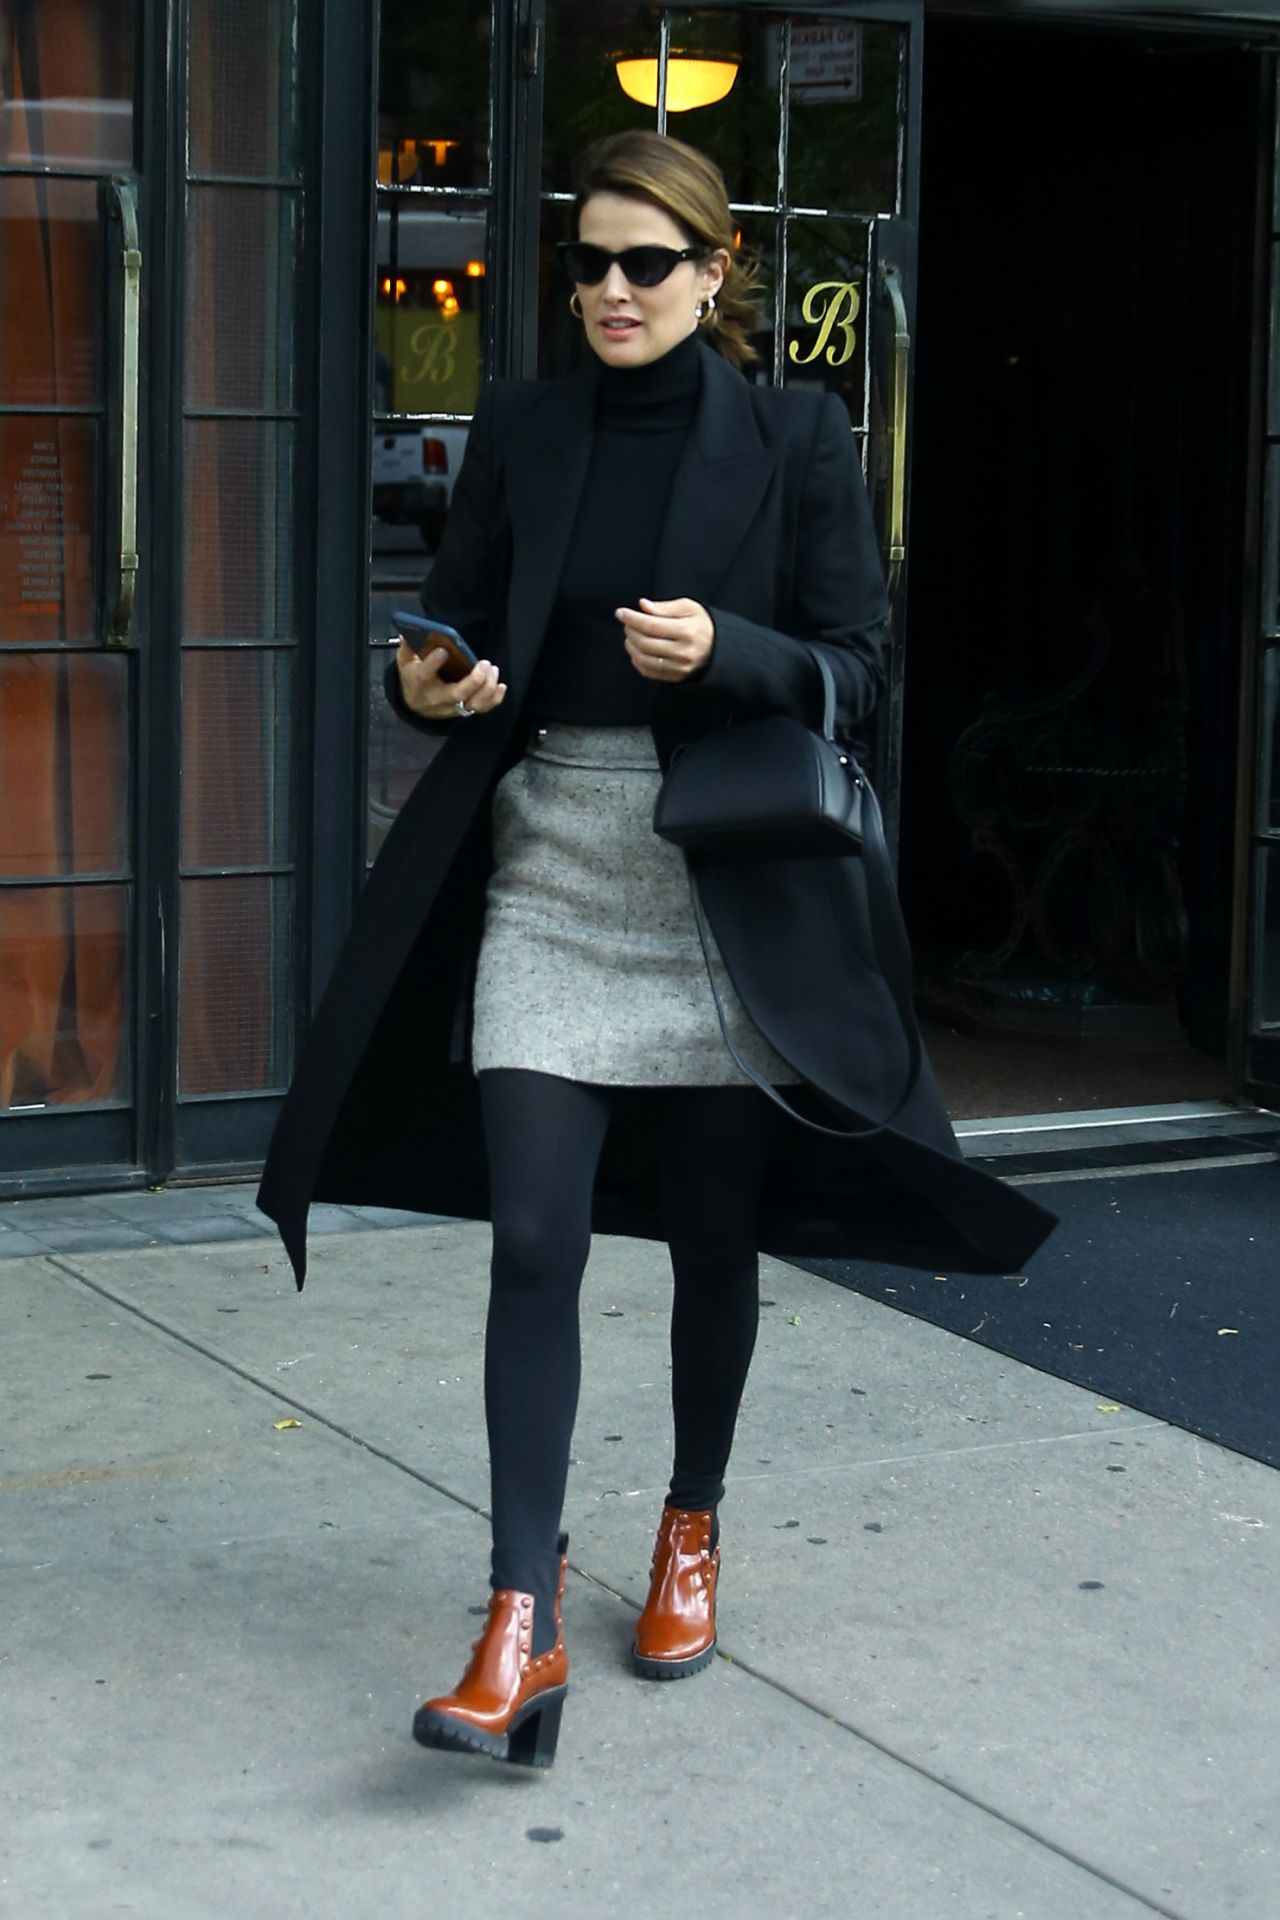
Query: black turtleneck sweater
x=584, y=675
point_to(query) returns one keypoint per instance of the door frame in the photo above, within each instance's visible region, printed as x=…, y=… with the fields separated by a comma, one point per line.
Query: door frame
x=70, y=1148
x=1255, y=1050
x=520, y=59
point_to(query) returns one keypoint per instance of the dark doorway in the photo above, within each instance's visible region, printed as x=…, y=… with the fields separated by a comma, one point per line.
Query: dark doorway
x=1077, y=543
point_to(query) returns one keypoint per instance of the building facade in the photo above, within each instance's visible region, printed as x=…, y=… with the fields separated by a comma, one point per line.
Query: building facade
x=256, y=261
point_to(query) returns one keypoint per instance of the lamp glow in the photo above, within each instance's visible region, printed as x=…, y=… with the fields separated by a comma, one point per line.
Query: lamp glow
x=693, y=79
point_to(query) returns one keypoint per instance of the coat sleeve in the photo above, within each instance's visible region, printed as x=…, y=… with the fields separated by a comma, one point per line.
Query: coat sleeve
x=839, y=603
x=464, y=576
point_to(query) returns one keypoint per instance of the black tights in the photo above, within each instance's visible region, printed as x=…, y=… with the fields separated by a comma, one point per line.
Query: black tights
x=544, y=1136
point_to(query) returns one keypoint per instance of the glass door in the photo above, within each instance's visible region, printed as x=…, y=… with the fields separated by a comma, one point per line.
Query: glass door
x=813, y=119
x=445, y=134
x=1258, y=952
x=151, y=616
x=71, y=247
x=242, y=609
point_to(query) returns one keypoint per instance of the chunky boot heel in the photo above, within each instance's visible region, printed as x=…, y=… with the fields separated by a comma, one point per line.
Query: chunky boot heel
x=508, y=1703
x=533, y=1742
x=676, y=1633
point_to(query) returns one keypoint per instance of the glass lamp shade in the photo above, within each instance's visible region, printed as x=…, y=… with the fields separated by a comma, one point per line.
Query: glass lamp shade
x=693, y=80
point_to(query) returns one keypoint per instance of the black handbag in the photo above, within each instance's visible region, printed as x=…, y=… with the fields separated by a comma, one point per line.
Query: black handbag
x=773, y=789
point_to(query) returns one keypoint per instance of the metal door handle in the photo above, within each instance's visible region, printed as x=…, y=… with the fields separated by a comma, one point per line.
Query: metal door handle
x=897, y=550
x=125, y=194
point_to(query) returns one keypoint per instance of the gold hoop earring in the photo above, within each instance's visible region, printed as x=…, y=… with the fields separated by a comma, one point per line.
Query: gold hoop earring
x=575, y=305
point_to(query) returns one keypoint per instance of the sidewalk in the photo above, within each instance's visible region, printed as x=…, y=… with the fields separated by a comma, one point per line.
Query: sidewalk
x=994, y=1650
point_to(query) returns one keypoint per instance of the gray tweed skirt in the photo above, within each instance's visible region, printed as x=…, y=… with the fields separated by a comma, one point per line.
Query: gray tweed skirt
x=590, y=966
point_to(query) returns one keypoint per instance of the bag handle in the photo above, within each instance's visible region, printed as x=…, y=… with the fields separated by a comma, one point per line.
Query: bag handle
x=823, y=665
x=888, y=939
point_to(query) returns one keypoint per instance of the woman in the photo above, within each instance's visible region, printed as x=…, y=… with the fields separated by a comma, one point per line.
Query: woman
x=520, y=1026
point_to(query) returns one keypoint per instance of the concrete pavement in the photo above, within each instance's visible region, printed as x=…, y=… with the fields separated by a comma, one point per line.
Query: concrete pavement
x=994, y=1649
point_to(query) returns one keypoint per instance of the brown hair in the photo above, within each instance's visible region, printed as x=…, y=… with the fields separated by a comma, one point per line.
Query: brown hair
x=683, y=183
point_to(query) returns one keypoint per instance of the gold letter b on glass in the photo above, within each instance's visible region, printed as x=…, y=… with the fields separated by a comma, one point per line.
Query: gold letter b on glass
x=836, y=315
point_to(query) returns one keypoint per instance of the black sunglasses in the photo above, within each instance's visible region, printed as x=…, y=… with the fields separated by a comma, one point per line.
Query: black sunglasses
x=642, y=266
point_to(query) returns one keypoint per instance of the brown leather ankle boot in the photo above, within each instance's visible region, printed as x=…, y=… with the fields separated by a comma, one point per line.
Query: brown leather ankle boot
x=507, y=1703
x=676, y=1633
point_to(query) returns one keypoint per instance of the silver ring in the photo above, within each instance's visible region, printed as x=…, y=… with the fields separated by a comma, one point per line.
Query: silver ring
x=462, y=708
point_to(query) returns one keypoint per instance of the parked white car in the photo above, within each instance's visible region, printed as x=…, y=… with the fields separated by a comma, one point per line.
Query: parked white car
x=414, y=468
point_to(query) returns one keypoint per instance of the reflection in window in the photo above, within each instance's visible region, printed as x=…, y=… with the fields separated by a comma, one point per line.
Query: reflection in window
x=237, y=756
x=64, y=1034
x=740, y=131
x=241, y=263
x=235, y=985
x=433, y=94
x=756, y=234
x=1266, y=979
x=429, y=305
x=560, y=343
x=64, y=764
x=66, y=95
x=583, y=100
x=238, y=531
x=243, y=61
x=1269, y=781
x=844, y=98
x=826, y=316
x=398, y=755
x=48, y=519
x=50, y=293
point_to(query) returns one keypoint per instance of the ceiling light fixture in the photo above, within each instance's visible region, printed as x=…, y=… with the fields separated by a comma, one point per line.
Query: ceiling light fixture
x=693, y=79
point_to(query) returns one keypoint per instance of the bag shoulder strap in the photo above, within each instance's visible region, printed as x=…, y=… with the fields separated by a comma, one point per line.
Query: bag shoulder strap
x=892, y=956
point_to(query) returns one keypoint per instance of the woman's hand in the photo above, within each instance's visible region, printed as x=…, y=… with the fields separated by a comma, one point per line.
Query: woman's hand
x=668, y=639
x=427, y=694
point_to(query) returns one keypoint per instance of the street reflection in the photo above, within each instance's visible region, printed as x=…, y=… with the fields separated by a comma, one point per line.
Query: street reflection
x=398, y=755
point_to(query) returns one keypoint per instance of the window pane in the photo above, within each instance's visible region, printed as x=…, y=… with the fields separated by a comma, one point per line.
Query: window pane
x=238, y=530
x=844, y=86
x=237, y=758
x=560, y=342
x=241, y=255
x=756, y=234
x=429, y=305
x=398, y=754
x=827, y=316
x=234, y=1011
x=64, y=765
x=66, y=99
x=1269, y=764
x=48, y=469
x=433, y=94
x=739, y=131
x=64, y=1008
x=50, y=293
x=243, y=87
x=584, y=98
x=1266, y=958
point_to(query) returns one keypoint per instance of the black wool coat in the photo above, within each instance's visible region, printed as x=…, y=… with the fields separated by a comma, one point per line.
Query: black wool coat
x=769, y=527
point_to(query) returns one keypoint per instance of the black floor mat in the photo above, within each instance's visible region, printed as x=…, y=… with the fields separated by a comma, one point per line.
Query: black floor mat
x=1159, y=1290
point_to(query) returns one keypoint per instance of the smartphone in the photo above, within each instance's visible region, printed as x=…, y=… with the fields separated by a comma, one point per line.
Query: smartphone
x=424, y=635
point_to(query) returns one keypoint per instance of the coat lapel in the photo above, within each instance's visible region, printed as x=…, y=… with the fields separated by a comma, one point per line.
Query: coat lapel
x=719, y=485
x=545, y=468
